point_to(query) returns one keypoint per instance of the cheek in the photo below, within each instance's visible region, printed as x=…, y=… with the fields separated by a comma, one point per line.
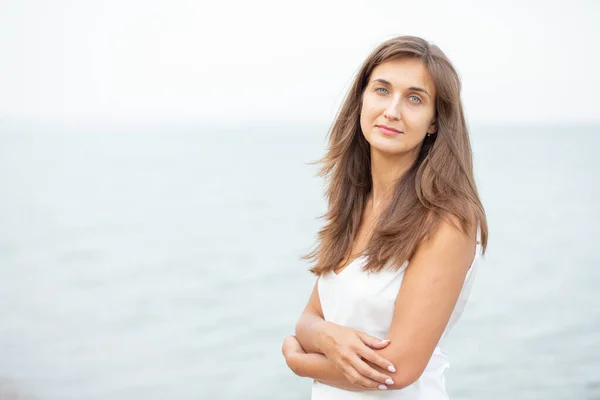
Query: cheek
x=368, y=112
x=366, y=115
x=364, y=124
x=417, y=120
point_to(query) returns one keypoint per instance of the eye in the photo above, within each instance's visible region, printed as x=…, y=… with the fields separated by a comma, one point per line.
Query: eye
x=414, y=99
x=381, y=90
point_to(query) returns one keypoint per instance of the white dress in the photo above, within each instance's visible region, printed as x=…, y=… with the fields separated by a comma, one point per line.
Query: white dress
x=365, y=301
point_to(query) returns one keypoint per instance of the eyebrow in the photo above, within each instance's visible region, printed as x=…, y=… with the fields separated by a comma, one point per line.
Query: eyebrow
x=415, y=88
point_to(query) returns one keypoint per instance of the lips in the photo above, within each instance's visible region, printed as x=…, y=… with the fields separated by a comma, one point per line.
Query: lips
x=388, y=130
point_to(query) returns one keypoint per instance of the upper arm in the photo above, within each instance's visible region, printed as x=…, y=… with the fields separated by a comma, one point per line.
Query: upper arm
x=311, y=317
x=314, y=302
x=428, y=294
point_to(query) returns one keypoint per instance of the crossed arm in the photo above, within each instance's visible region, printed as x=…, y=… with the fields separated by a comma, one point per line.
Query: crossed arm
x=429, y=291
x=347, y=365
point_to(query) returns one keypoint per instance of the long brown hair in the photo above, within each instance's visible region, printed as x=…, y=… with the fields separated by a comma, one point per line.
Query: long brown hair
x=439, y=184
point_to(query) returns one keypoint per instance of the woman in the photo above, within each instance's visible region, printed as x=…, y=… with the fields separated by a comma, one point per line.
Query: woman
x=404, y=230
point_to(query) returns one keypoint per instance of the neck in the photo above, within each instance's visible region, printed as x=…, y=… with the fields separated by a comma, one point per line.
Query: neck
x=386, y=170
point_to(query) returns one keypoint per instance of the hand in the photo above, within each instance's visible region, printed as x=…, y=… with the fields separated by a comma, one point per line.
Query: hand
x=348, y=349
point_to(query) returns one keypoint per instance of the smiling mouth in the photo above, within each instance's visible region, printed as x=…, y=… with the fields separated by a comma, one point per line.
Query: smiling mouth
x=389, y=131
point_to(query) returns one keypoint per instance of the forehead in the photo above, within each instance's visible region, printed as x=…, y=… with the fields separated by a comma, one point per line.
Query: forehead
x=404, y=73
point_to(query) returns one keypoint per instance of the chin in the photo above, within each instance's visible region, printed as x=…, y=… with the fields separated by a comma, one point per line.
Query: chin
x=388, y=145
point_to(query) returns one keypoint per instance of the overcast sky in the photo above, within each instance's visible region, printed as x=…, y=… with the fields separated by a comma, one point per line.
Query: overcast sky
x=274, y=60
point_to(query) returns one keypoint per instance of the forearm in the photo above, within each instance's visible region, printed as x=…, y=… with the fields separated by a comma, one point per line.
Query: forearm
x=309, y=332
x=317, y=366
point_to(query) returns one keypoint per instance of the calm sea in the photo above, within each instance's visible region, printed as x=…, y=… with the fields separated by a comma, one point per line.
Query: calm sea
x=142, y=263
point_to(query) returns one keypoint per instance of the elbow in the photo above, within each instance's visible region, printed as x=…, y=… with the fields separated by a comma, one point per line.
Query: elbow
x=407, y=373
x=404, y=380
x=409, y=365
x=294, y=365
x=291, y=357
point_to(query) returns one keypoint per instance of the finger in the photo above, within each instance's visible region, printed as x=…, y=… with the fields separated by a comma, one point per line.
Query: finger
x=373, y=342
x=354, y=377
x=371, y=356
x=369, y=372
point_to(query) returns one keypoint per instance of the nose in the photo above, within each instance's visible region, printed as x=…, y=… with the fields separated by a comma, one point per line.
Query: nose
x=392, y=111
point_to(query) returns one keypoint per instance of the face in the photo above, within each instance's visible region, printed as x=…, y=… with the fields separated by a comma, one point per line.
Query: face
x=398, y=107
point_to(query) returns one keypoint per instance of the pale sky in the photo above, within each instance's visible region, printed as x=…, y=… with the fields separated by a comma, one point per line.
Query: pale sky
x=274, y=60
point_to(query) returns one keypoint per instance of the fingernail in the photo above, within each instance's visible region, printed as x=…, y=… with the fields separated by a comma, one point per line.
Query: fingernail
x=385, y=341
x=389, y=381
x=382, y=387
x=391, y=368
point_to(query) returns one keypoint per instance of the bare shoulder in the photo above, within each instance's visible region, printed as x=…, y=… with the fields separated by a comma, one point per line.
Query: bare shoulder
x=451, y=244
x=451, y=228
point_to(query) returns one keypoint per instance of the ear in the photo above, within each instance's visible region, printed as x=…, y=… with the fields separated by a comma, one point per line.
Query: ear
x=432, y=128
